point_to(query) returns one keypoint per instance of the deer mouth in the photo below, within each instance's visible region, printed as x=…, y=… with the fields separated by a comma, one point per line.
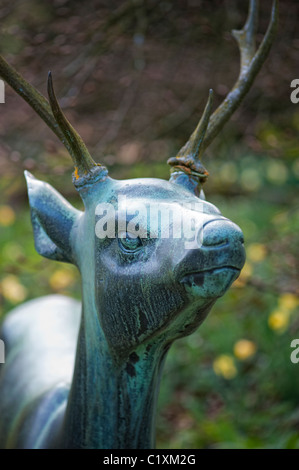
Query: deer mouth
x=204, y=272
x=211, y=282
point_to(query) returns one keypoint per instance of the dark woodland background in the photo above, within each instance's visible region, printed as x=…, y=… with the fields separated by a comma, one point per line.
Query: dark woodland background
x=133, y=78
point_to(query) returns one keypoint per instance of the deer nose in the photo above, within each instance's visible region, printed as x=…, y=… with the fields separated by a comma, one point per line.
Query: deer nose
x=220, y=232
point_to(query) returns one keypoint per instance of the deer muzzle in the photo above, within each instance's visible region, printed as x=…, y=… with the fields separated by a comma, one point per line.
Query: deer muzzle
x=209, y=269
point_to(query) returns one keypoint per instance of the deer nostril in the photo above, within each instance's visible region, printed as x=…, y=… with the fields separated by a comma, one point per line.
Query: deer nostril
x=220, y=232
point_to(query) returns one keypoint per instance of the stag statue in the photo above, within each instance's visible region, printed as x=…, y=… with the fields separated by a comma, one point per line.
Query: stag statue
x=88, y=377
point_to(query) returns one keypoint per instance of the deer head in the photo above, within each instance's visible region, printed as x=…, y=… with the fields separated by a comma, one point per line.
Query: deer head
x=145, y=282
x=161, y=282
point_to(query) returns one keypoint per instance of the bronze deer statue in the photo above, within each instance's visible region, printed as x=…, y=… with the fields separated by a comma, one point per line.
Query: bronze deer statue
x=88, y=377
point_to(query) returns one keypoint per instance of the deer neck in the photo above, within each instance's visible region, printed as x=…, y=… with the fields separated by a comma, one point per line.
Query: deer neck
x=111, y=404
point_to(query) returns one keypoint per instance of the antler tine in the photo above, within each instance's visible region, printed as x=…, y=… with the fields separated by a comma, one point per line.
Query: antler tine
x=53, y=116
x=251, y=62
x=31, y=95
x=187, y=160
x=81, y=157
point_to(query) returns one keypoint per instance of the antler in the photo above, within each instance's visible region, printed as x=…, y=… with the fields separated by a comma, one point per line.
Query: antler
x=82, y=159
x=52, y=115
x=187, y=160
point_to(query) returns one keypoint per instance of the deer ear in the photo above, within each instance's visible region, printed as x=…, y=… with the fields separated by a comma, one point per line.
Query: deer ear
x=53, y=219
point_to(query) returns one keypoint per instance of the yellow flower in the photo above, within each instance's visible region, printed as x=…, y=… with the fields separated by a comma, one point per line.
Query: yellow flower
x=278, y=320
x=256, y=252
x=13, y=290
x=7, y=216
x=243, y=349
x=225, y=365
x=288, y=302
x=61, y=279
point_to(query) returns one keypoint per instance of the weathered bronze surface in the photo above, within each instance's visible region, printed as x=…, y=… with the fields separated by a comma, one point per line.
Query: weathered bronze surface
x=136, y=301
x=88, y=377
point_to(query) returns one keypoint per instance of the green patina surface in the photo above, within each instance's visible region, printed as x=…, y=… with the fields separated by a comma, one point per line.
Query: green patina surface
x=137, y=299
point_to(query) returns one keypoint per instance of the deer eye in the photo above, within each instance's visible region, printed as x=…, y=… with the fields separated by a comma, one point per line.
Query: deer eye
x=129, y=242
